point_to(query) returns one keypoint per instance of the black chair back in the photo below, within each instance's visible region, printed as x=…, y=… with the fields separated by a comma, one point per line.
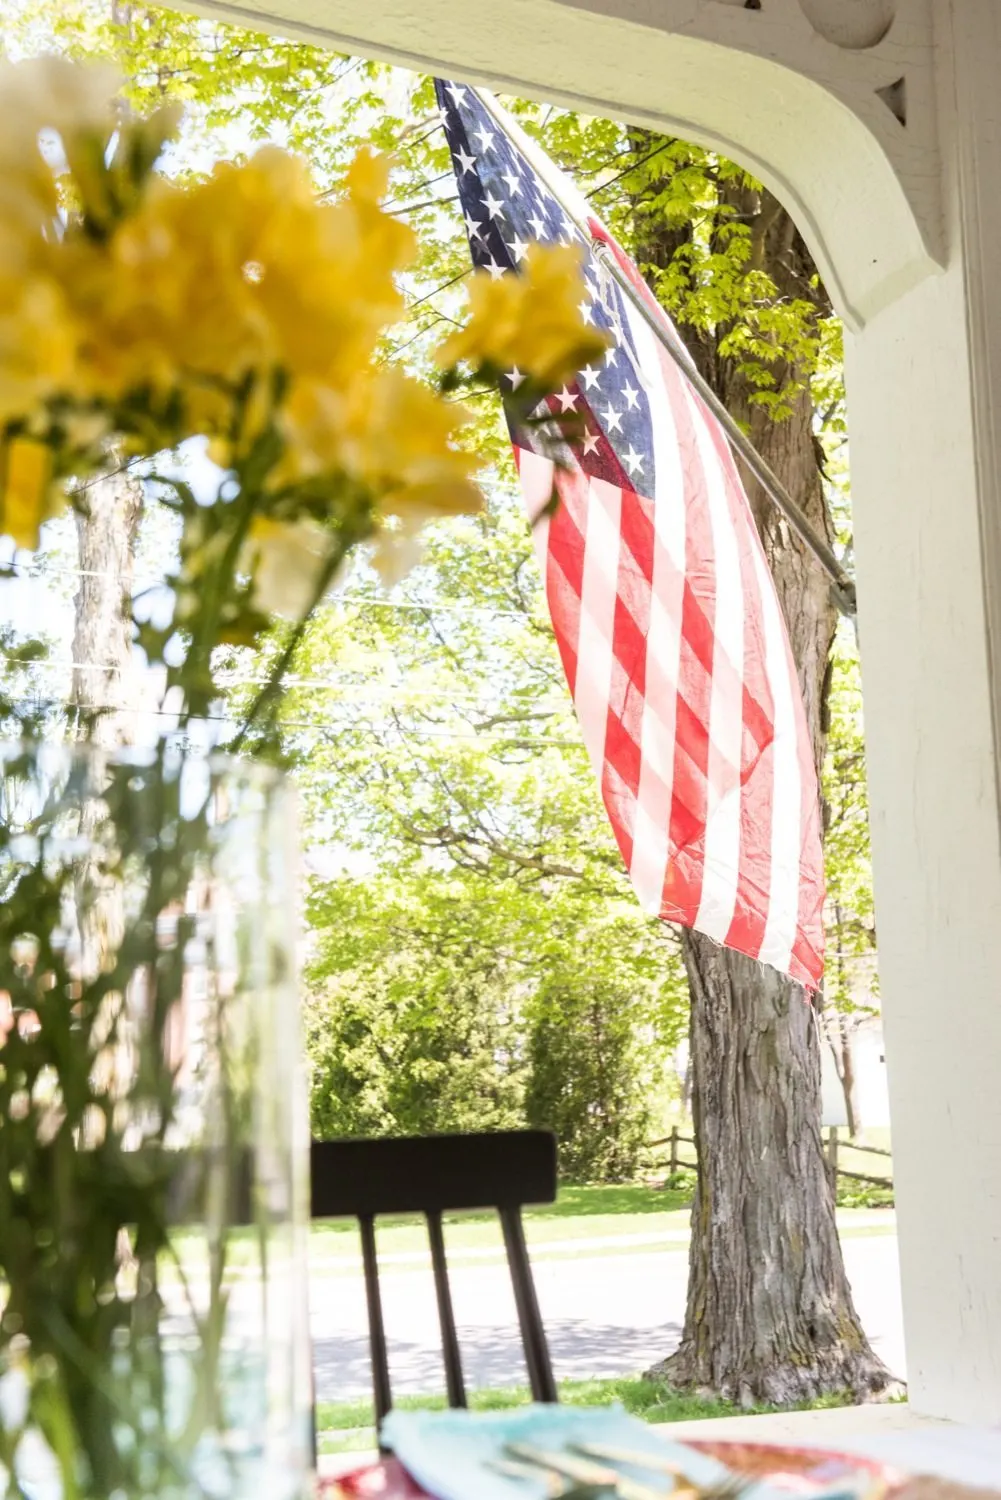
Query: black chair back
x=433, y=1175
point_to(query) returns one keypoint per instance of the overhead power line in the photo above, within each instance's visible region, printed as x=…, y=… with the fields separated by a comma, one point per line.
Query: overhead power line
x=394, y=693
x=368, y=601
x=328, y=732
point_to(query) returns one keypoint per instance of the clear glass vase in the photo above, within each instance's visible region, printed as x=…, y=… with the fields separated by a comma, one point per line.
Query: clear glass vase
x=153, y=1139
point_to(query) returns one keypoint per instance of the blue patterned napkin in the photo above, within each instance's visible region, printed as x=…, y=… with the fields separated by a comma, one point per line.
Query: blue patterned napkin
x=449, y=1452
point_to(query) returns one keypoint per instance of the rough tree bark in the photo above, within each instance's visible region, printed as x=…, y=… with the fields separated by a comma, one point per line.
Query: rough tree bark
x=107, y=526
x=770, y=1316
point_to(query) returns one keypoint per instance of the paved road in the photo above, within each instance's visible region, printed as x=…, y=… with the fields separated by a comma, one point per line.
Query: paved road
x=605, y=1315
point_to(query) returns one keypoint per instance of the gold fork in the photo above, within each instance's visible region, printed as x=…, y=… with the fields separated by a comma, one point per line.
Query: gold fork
x=558, y=1487
x=730, y=1488
x=585, y=1471
x=579, y=1463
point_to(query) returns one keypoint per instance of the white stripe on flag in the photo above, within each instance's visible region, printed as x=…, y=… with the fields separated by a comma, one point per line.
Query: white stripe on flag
x=597, y=617
x=726, y=724
x=652, y=827
x=536, y=475
x=787, y=790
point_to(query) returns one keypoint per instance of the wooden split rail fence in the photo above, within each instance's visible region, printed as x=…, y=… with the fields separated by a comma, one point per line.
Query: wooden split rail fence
x=834, y=1147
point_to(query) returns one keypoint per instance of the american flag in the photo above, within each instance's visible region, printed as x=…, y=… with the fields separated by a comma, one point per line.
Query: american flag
x=670, y=631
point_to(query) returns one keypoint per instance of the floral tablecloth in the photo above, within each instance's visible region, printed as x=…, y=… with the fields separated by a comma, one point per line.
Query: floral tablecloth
x=952, y=1463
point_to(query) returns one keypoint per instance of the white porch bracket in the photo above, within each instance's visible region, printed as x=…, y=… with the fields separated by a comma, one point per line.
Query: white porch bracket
x=846, y=136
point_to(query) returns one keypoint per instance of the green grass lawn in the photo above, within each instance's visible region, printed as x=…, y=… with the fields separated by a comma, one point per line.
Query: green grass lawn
x=346, y=1426
x=578, y=1213
x=584, y=1215
x=583, y=1221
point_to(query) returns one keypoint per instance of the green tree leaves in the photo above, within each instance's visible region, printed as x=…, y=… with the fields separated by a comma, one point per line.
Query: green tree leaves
x=480, y=909
x=475, y=930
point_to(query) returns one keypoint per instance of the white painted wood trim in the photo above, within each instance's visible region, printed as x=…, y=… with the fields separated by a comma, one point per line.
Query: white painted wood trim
x=761, y=86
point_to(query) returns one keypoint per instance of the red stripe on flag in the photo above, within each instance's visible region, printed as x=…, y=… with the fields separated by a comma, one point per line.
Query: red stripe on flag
x=619, y=773
x=565, y=570
x=807, y=963
x=630, y=631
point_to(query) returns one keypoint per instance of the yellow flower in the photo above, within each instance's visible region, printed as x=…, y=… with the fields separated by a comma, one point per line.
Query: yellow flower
x=392, y=440
x=314, y=425
x=26, y=479
x=395, y=553
x=530, y=321
x=388, y=434
x=37, y=346
x=405, y=449
x=243, y=273
x=285, y=560
x=367, y=178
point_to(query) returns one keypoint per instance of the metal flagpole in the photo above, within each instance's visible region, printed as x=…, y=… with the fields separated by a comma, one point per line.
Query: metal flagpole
x=842, y=587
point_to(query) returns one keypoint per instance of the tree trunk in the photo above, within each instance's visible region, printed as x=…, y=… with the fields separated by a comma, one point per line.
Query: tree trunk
x=107, y=526
x=686, y=1086
x=841, y=1043
x=844, y=1066
x=848, y=1087
x=770, y=1316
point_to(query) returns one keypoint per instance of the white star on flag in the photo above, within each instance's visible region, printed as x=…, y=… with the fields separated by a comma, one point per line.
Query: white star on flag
x=633, y=459
x=590, y=441
x=567, y=399
x=612, y=419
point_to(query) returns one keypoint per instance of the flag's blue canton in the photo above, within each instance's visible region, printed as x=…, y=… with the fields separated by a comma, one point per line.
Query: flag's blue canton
x=506, y=206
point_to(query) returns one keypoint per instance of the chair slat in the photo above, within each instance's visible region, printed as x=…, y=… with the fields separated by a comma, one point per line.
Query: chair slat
x=533, y=1337
x=455, y=1386
x=382, y=1394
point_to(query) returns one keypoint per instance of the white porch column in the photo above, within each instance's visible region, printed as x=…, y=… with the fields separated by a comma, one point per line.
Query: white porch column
x=924, y=392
